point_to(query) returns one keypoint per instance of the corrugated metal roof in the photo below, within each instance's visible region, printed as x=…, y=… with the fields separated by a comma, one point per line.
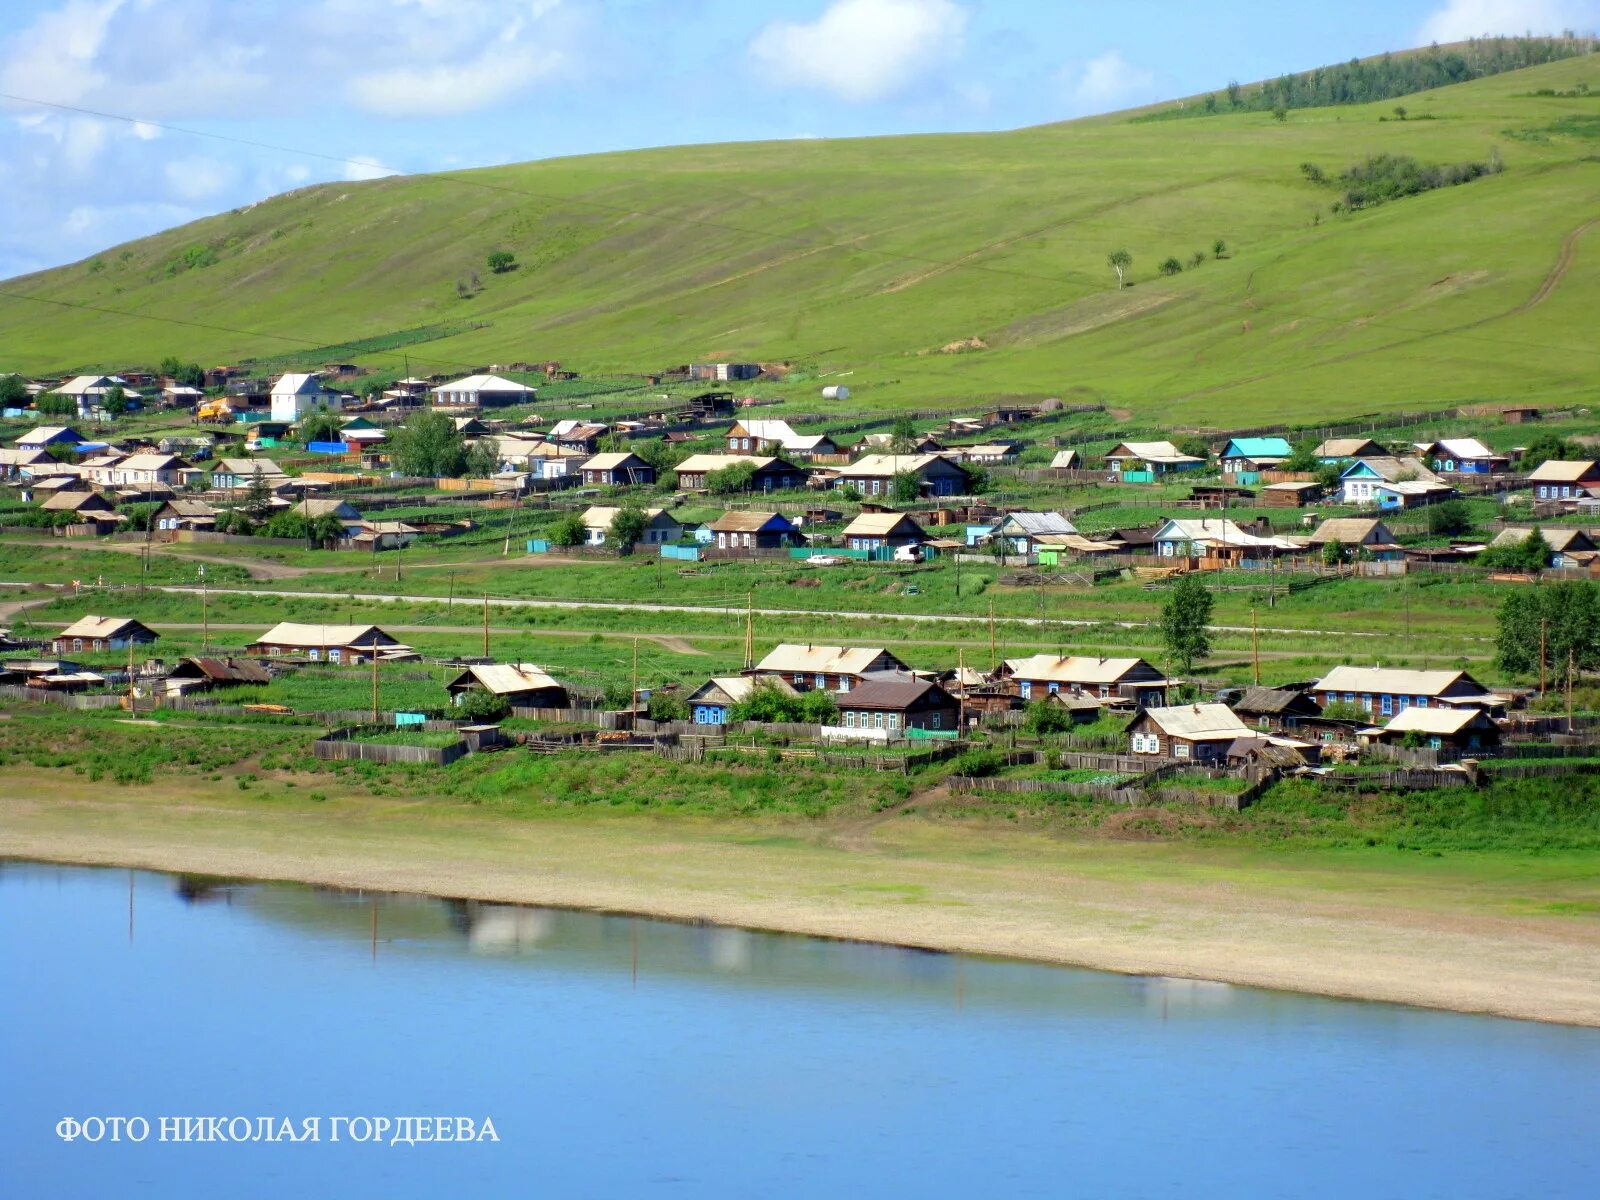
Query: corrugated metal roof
x=1390, y=680
x=1052, y=668
x=304, y=636
x=791, y=657
x=1198, y=722
x=1432, y=720
x=99, y=627
x=749, y=522
x=1557, y=470
x=879, y=524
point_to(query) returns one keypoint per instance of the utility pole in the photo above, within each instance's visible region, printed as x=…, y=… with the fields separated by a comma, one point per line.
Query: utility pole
x=205, y=614
x=1255, y=647
x=450, y=604
x=1544, y=628
x=486, y=624
x=994, y=661
x=374, y=650
x=1570, y=664
x=633, y=700
x=133, y=707
x=750, y=631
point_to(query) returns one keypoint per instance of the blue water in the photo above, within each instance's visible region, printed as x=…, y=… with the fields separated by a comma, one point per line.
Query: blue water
x=620, y=1057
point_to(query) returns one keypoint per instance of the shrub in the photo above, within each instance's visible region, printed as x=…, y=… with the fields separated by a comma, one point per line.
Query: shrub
x=977, y=764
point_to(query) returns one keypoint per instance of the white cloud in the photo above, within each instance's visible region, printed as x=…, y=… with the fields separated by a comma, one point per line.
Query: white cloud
x=862, y=50
x=1460, y=19
x=1108, y=80
x=362, y=167
x=196, y=179
x=497, y=74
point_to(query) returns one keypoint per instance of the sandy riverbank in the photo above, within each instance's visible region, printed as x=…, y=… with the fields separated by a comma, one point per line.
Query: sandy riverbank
x=1494, y=936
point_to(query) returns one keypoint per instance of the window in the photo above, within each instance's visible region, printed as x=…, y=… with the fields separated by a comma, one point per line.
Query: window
x=894, y=720
x=936, y=720
x=1180, y=750
x=1025, y=688
x=1422, y=702
x=850, y=720
x=1366, y=701
x=821, y=680
x=77, y=643
x=1054, y=687
x=316, y=655
x=844, y=683
x=1349, y=697
x=799, y=679
x=1388, y=704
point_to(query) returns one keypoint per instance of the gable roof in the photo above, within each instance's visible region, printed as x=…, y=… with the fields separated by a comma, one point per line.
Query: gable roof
x=1558, y=540
x=750, y=522
x=1380, y=680
x=1198, y=722
x=1391, y=469
x=1065, y=459
x=298, y=384
x=1463, y=448
x=44, y=434
x=1556, y=470
x=224, y=670
x=734, y=688
x=1433, y=720
x=697, y=463
x=1215, y=531
x=1155, y=452
x=103, y=627
x=792, y=657
x=1257, y=447
x=73, y=501
x=766, y=431
x=151, y=462
x=507, y=679
x=600, y=516
x=188, y=508
x=248, y=466
x=1036, y=523
x=889, y=465
x=303, y=636
x=1349, y=448
x=1268, y=700
x=612, y=460
x=886, y=690
x=484, y=383
x=1350, y=531
x=880, y=525
x=1055, y=668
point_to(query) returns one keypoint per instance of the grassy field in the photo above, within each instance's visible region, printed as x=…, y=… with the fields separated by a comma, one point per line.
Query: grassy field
x=858, y=260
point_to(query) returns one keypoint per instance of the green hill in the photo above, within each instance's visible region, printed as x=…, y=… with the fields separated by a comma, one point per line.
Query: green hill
x=869, y=256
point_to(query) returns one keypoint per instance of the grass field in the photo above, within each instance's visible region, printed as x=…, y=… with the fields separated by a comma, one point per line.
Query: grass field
x=857, y=260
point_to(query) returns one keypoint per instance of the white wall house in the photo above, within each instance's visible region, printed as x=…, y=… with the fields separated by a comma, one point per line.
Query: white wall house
x=293, y=396
x=483, y=391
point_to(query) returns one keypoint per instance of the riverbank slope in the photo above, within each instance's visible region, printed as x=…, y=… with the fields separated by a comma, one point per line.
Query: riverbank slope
x=1512, y=935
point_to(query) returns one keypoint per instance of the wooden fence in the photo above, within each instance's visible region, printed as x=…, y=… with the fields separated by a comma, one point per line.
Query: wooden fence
x=345, y=745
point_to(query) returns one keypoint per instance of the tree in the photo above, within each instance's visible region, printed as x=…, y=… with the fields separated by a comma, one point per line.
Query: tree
x=1219, y=249
x=319, y=425
x=1186, y=621
x=54, y=404
x=501, y=261
x=115, y=401
x=1171, y=266
x=568, y=531
x=1400, y=111
x=372, y=387
x=1304, y=457
x=482, y=707
x=170, y=365
x=977, y=481
x=1280, y=113
x=258, y=499
x=1120, y=261
x=818, y=707
x=480, y=460
x=13, y=391
x=428, y=444
x=907, y=487
x=1196, y=259
x=1045, y=717
x=1565, y=616
x=1449, y=518
x=730, y=480
x=627, y=526
x=903, y=436
x=766, y=702
x=1548, y=447
x=668, y=706
x=1194, y=447
x=1332, y=552
x=1526, y=557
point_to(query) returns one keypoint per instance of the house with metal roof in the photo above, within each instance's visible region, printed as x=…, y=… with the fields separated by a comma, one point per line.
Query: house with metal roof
x=831, y=668
x=1390, y=483
x=1279, y=708
x=295, y=394
x=204, y=674
x=521, y=684
x=43, y=436
x=712, y=702
x=936, y=474
x=337, y=644
x=1117, y=680
x=483, y=391
x=1387, y=690
x=1353, y=533
x=883, y=530
x=1146, y=460
x=660, y=526
x=897, y=701
x=1563, y=479
x=238, y=473
x=1568, y=547
x=754, y=531
x=1218, y=538
x=1462, y=456
x=767, y=473
x=102, y=633
x=1245, y=454
x=1197, y=732
x=181, y=513
x=1343, y=450
x=619, y=468
x=1453, y=731
x=1024, y=531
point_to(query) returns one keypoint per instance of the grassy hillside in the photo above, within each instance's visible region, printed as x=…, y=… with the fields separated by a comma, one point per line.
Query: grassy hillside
x=867, y=256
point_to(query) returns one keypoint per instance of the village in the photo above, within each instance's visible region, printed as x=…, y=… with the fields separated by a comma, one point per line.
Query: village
x=1047, y=501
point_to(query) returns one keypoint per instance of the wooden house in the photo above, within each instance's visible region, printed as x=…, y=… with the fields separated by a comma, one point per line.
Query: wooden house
x=1282, y=709
x=337, y=644
x=520, y=684
x=1569, y=548
x=1344, y=450
x=660, y=526
x=1197, y=732
x=1251, y=455
x=896, y=702
x=618, y=469
x=1119, y=680
x=1356, y=534
x=1385, y=690
x=180, y=513
x=1463, y=456
x=1145, y=461
x=875, y=474
x=755, y=531
x=102, y=633
x=877, y=531
x=205, y=674
x=832, y=668
x=768, y=474
x=1453, y=731
x=1558, y=479
x=1294, y=494
x=712, y=702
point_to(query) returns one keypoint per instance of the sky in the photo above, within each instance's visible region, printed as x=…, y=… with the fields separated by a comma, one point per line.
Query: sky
x=353, y=89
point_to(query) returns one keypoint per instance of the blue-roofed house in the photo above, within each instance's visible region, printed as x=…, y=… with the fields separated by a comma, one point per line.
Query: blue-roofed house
x=1252, y=454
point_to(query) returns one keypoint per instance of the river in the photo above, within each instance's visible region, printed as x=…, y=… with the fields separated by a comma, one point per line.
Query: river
x=619, y=1056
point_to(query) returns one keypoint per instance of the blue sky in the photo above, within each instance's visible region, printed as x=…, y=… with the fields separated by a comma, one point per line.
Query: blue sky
x=420, y=85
